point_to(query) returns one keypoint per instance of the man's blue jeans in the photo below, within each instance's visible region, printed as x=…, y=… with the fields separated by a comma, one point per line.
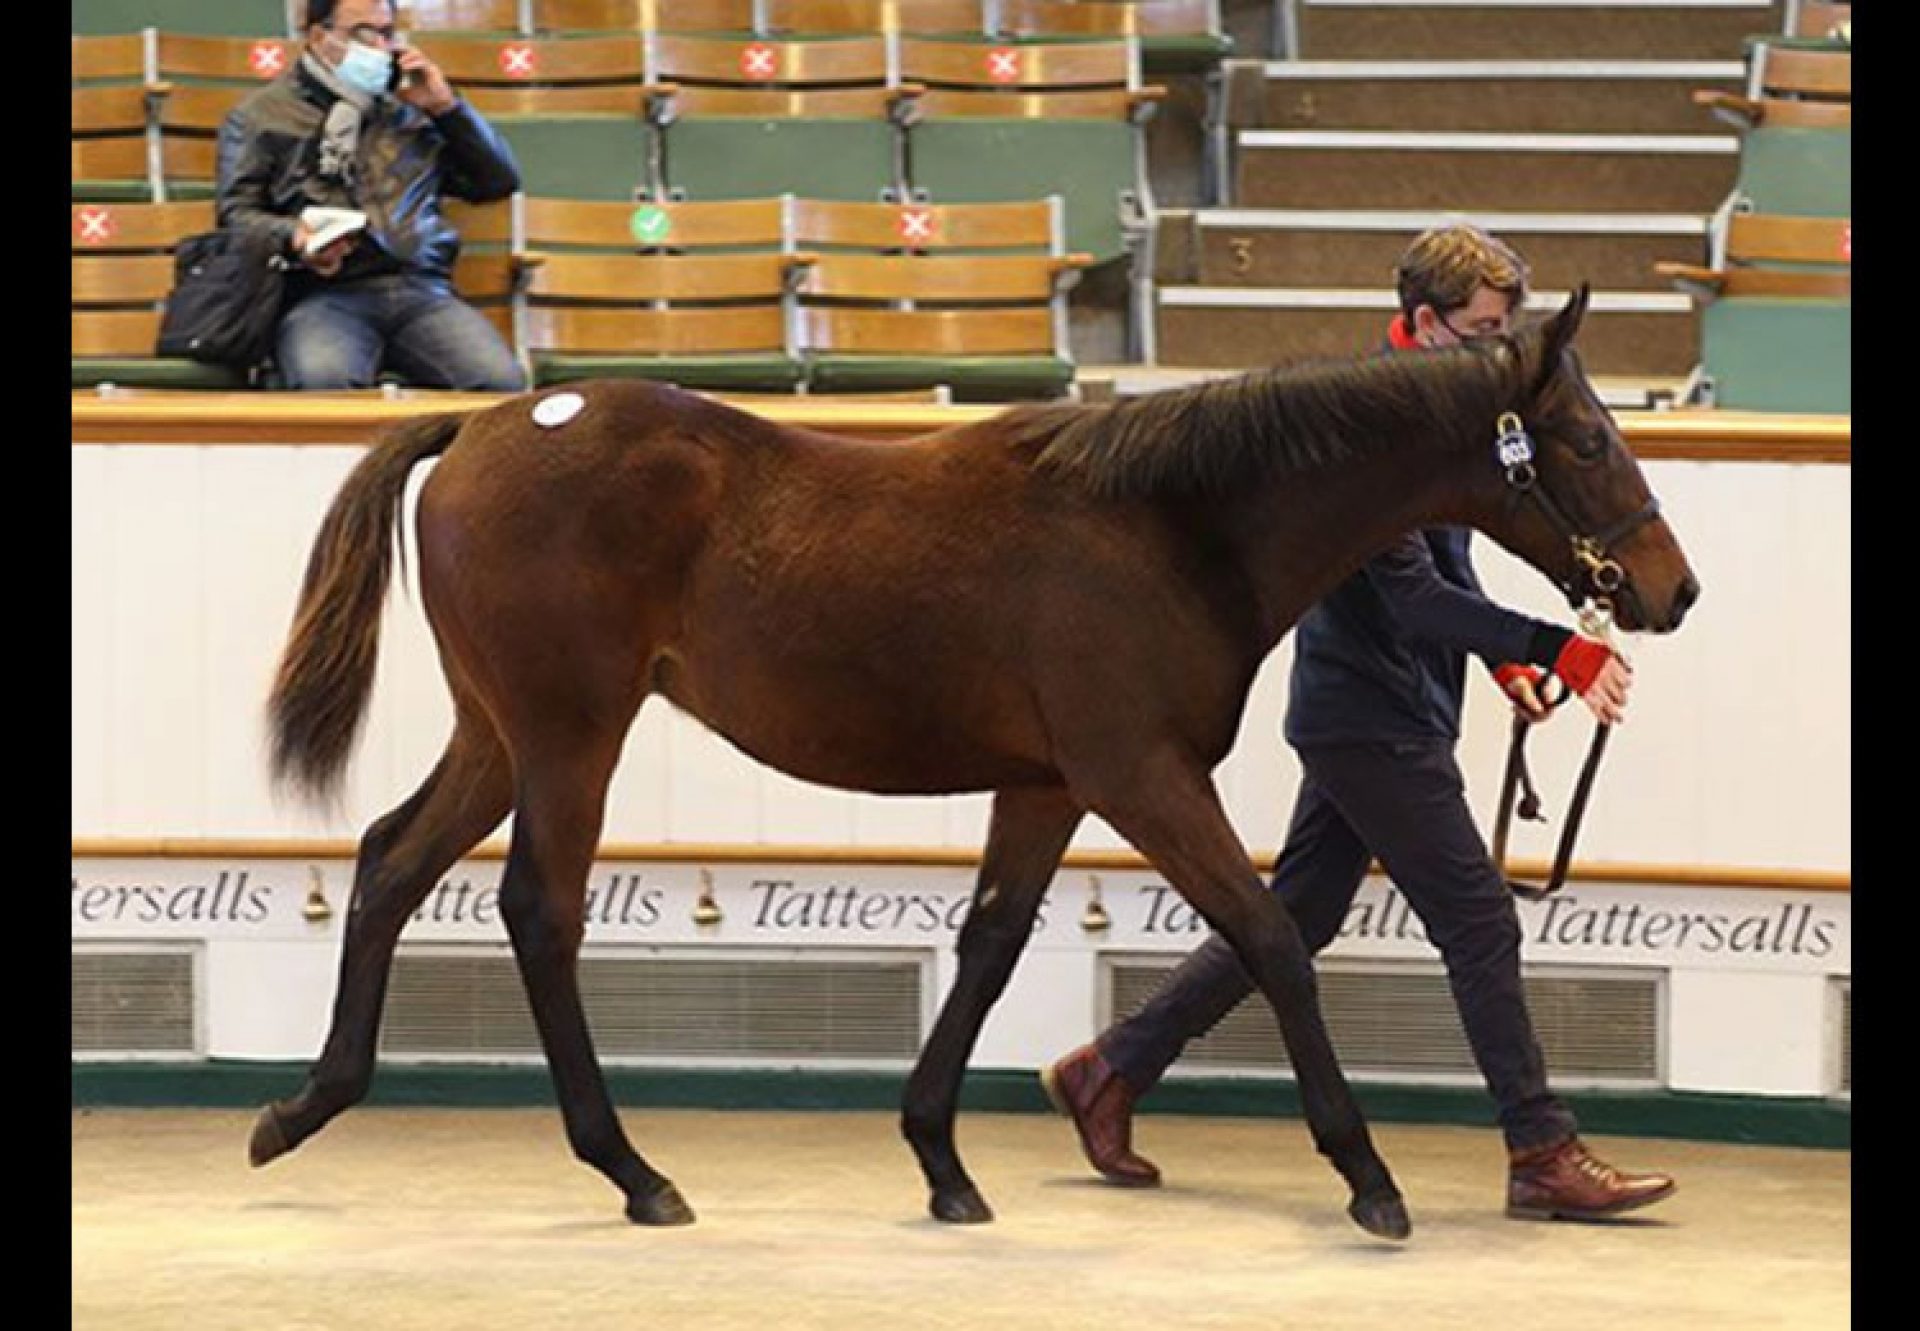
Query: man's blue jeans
x=344, y=334
x=1404, y=803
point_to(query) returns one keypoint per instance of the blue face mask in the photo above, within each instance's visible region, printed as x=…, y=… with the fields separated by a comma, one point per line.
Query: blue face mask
x=365, y=69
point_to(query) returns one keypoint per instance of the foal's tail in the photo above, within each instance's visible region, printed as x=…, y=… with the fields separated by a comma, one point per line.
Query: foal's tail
x=325, y=679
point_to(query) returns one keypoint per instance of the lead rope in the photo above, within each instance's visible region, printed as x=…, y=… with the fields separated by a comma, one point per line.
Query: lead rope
x=1596, y=621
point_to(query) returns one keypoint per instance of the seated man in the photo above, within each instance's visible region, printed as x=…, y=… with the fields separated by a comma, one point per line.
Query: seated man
x=358, y=123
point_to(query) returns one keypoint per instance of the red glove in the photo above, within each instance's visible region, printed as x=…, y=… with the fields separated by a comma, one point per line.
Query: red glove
x=1581, y=661
x=1504, y=675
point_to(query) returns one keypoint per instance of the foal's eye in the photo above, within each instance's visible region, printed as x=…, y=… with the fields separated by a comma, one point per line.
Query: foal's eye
x=1590, y=447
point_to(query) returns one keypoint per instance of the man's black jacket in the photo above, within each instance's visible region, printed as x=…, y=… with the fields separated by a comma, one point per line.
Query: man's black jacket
x=268, y=171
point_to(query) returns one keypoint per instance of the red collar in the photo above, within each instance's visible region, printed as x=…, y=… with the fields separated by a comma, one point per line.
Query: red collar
x=1399, y=336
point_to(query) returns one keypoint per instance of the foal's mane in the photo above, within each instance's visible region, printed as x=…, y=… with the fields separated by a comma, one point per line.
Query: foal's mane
x=1213, y=437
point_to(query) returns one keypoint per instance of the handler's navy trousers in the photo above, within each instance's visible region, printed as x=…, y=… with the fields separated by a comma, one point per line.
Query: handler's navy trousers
x=1404, y=803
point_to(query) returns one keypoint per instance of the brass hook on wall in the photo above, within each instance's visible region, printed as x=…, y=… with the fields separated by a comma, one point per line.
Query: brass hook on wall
x=1094, y=919
x=316, y=909
x=706, y=910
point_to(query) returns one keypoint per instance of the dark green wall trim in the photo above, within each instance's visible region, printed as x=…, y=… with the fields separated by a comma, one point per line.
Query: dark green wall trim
x=218, y=1083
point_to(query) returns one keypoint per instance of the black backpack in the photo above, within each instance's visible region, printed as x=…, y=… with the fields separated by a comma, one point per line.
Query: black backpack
x=228, y=287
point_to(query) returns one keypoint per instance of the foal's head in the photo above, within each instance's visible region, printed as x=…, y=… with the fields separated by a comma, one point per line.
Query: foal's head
x=1574, y=502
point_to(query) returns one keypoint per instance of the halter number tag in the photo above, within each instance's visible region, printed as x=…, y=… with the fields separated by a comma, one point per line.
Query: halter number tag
x=1513, y=446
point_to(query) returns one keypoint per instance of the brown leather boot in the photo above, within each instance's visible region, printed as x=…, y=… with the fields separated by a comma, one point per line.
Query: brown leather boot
x=1564, y=1181
x=1089, y=1092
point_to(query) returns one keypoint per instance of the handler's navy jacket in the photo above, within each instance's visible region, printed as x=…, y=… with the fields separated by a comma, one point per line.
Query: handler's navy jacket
x=1383, y=656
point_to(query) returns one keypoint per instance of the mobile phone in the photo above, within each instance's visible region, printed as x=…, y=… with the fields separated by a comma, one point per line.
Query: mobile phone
x=397, y=76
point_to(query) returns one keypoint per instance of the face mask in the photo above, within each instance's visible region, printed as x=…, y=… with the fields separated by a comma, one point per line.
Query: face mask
x=365, y=68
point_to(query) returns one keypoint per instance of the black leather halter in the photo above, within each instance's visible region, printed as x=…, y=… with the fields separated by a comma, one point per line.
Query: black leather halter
x=1596, y=579
x=1597, y=575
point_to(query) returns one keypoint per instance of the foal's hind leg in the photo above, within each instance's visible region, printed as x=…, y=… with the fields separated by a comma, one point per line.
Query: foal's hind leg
x=1172, y=816
x=402, y=856
x=1028, y=833
x=557, y=818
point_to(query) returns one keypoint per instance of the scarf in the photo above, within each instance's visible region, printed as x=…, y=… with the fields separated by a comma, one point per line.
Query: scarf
x=340, y=135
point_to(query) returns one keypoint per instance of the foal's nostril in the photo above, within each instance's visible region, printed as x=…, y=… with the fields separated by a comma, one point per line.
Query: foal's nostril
x=1683, y=598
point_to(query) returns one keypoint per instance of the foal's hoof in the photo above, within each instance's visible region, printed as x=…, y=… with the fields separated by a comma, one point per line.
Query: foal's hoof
x=269, y=1139
x=1384, y=1216
x=960, y=1206
x=663, y=1206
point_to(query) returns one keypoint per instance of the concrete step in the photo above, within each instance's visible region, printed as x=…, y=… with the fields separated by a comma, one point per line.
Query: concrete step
x=1626, y=334
x=1234, y=247
x=1535, y=96
x=1504, y=29
x=1375, y=169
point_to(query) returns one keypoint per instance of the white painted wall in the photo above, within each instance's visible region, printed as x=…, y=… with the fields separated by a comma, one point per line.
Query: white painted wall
x=186, y=561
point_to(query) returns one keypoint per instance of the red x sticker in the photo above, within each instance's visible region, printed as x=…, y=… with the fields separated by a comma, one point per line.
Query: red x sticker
x=267, y=59
x=915, y=224
x=94, y=225
x=759, y=61
x=517, y=62
x=1003, y=64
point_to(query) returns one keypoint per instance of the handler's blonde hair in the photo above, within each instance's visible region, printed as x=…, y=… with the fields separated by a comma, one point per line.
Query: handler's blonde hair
x=1446, y=264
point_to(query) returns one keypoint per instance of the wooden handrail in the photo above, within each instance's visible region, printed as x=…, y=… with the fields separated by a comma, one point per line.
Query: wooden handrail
x=349, y=418
x=692, y=852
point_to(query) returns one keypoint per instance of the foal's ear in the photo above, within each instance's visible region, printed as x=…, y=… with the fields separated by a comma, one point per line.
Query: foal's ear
x=1560, y=330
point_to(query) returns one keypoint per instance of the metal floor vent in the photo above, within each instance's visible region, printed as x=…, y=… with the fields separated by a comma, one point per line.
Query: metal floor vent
x=133, y=1002
x=471, y=1002
x=1397, y=1021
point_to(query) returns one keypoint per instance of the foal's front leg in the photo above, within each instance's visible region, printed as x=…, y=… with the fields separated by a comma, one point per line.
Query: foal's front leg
x=1026, y=836
x=1172, y=815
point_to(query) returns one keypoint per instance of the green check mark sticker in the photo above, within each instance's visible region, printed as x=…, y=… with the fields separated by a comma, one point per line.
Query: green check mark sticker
x=650, y=225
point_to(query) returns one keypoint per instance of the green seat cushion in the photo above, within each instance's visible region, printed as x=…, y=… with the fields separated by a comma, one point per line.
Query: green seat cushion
x=1785, y=42
x=206, y=18
x=155, y=372
x=577, y=157
x=111, y=191
x=1779, y=354
x=136, y=191
x=970, y=377
x=728, y=157
x=1800, y=172
x=746, y=371
x=1183, y=54
x=1089, y=163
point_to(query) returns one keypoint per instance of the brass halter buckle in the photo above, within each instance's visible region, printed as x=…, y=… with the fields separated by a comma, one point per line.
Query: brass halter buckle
x=1604, y=575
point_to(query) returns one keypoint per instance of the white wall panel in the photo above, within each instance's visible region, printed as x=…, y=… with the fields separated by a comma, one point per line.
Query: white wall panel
x=91, y=639
x=716, y=794
x=248, y=599
x=1735, y=1032
x=187, y=560
x=905, y=820
x=270, y=1000
x=156, y=703
x=1736, y=747
x=967, y=817
x=638, y=802
x=799, y=811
